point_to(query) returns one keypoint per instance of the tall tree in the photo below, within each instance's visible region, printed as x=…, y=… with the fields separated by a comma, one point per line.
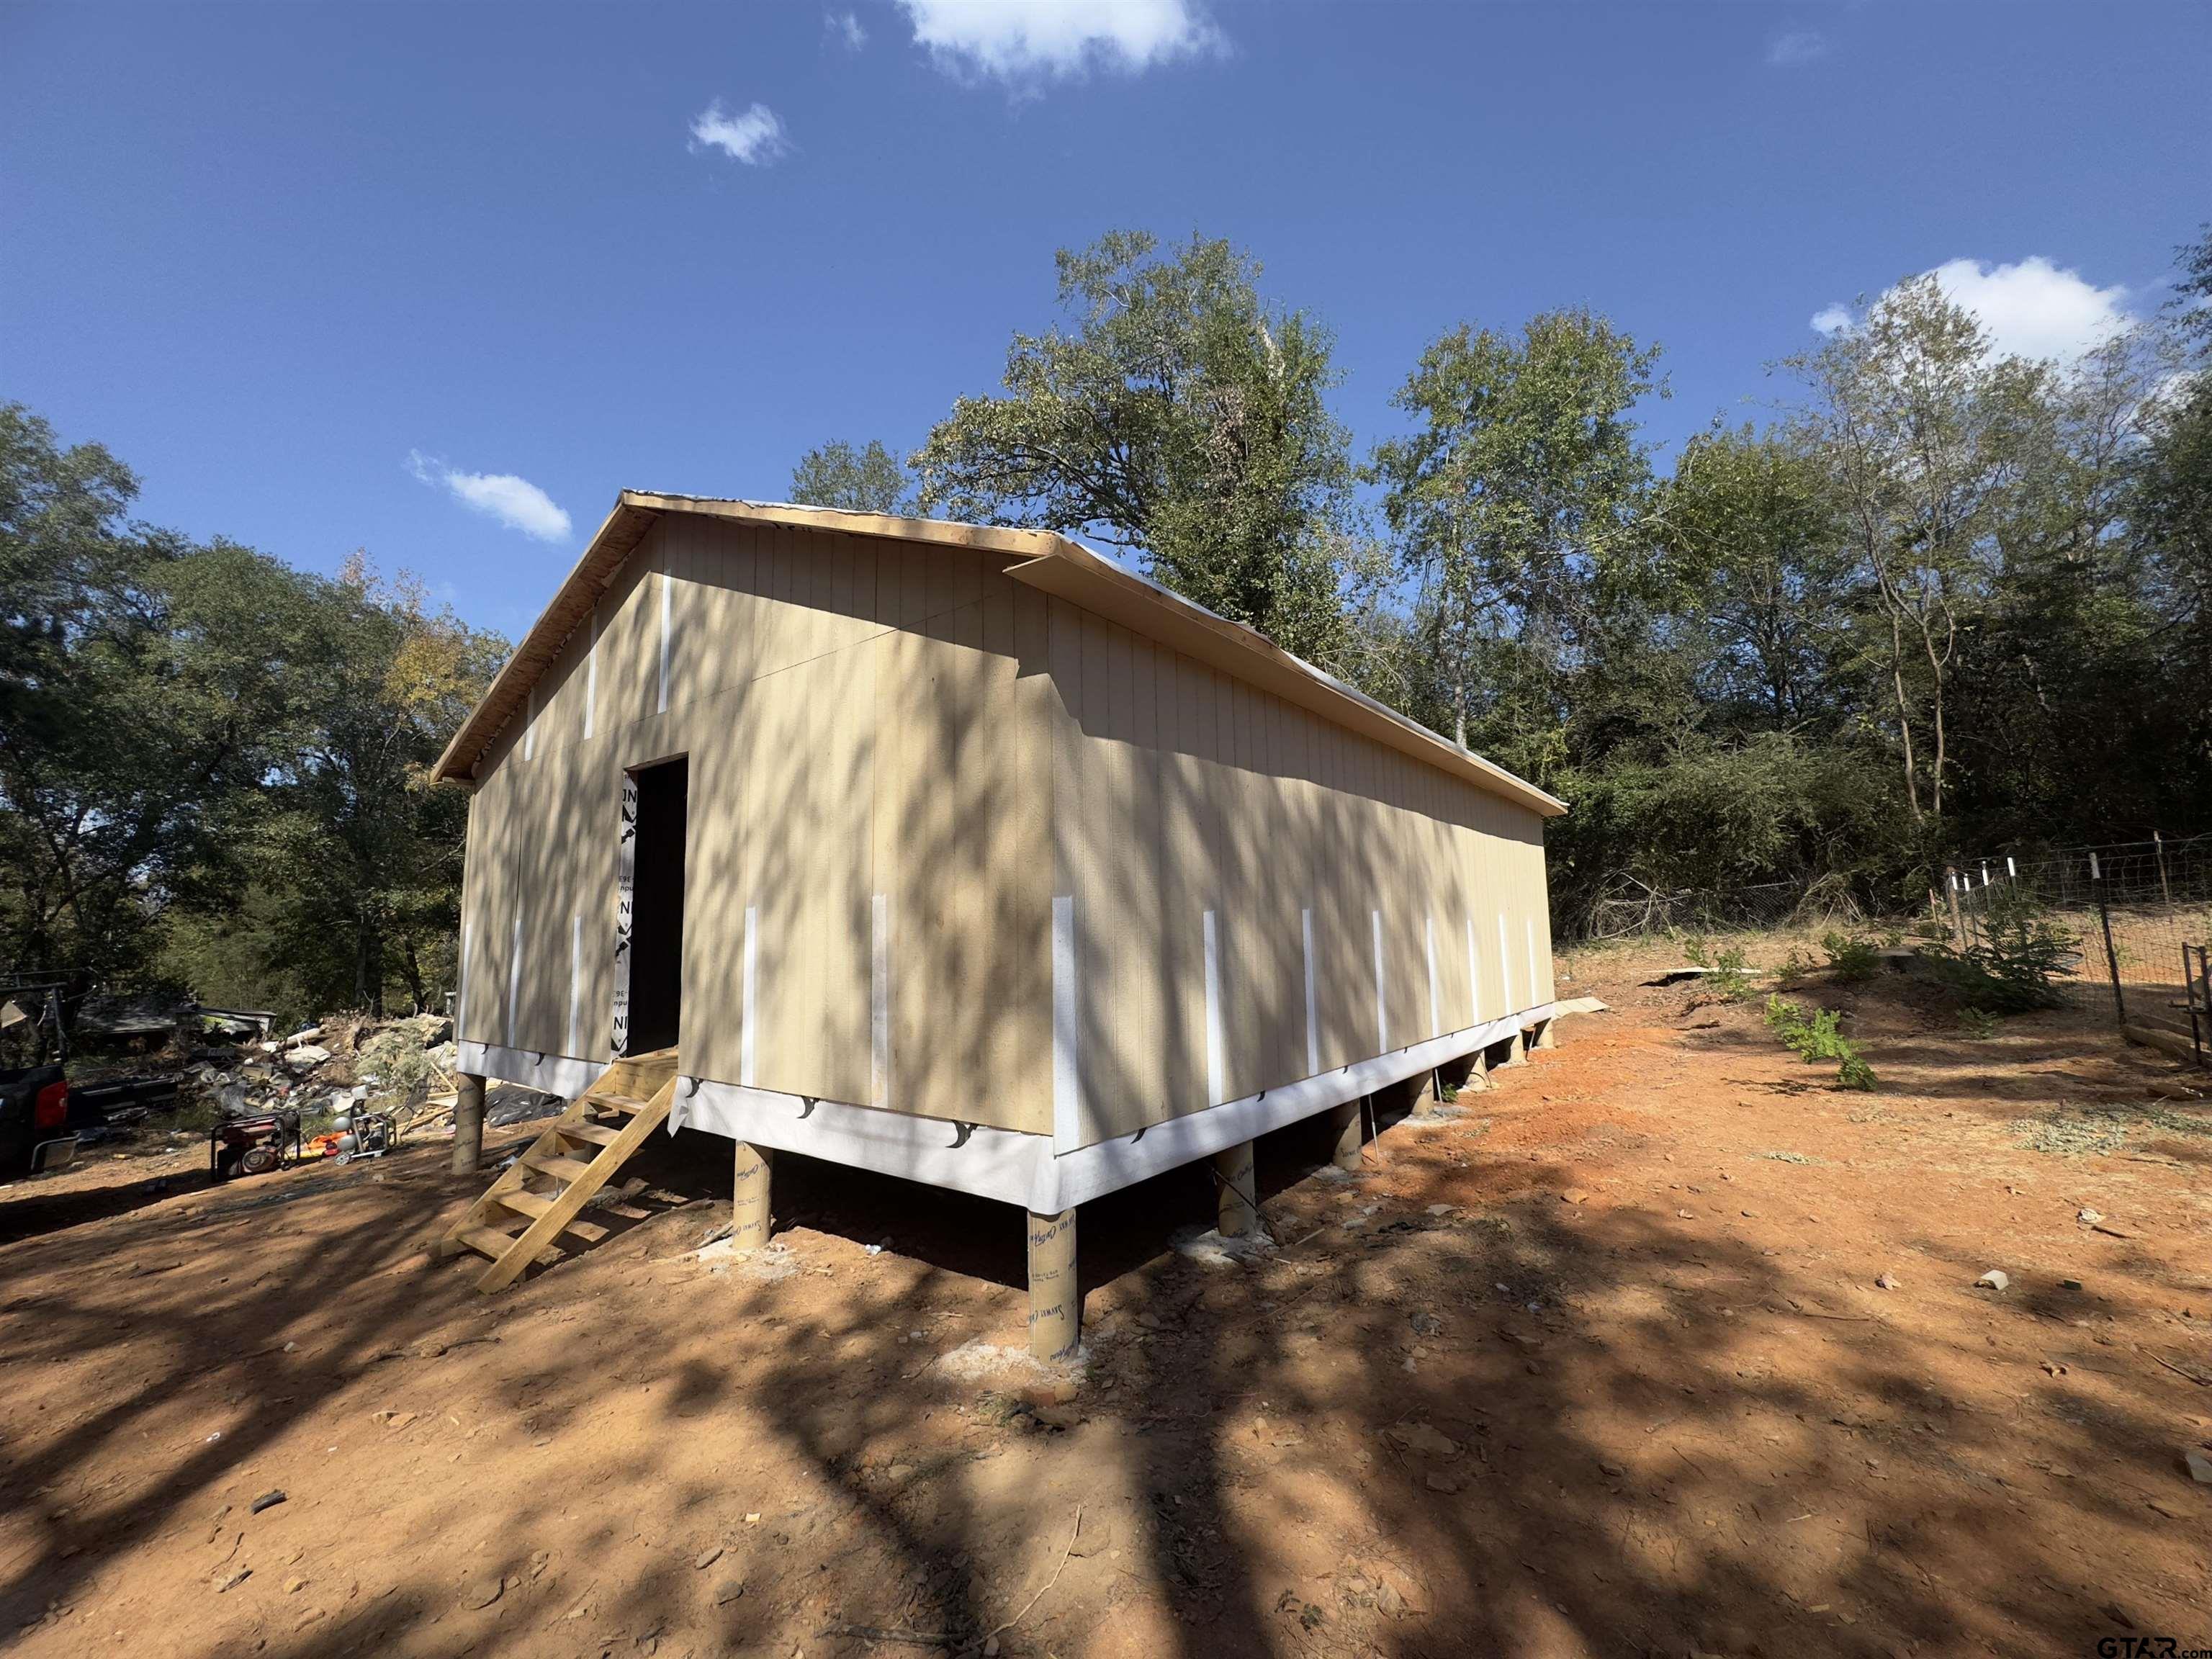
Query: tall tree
x=1181, y=417
x=865, y=480
x=1515, y=501
x=1753, y=555
x=140, y=678
x=1924, y=432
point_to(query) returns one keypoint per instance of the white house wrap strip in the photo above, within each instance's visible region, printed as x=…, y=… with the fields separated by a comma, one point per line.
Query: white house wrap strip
x=1382, y=1012
x=879, y=1002
x=1067, y=1022
x=575, y=973
x=1313, y=1019
x=592, y=673
x=1504, y=962
x=748, y=1014
x=530, y=727
x=1429, y=937
x=1022, y=1168
x=514, y=977
x=1216, y=1088
x=665, y=586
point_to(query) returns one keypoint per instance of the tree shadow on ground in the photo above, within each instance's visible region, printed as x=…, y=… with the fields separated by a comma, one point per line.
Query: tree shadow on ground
x=1502, y=1423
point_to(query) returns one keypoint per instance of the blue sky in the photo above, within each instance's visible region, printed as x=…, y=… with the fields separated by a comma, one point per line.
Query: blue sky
x=268, y=253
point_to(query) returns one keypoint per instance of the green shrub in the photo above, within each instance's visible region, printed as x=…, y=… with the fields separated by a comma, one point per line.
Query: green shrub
x=1816, y=1040
x=2014, y=967
x=1850, y=958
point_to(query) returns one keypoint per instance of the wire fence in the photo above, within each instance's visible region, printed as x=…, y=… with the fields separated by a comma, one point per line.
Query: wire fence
x=2134, y=908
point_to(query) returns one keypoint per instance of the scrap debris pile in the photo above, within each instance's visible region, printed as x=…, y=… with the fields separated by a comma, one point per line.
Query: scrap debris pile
x=352, y=1086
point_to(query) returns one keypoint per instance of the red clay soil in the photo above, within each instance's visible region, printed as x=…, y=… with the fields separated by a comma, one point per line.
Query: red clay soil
x=1603, y=1365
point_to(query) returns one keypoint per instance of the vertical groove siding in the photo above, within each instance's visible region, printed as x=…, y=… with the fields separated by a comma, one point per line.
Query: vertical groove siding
x=879, y=728
x=861, y=718
x=1178, y=791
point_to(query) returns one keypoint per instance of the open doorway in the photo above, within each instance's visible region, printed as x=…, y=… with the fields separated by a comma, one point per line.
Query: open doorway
x=656, y=936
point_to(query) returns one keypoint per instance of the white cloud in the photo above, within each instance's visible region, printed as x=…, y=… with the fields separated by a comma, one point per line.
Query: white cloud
x=515, y=502
x=1797, y=49
x=2035, y=309
x=755, y=136
x=844, y=27
x=1025, y=40
x=2031, y=309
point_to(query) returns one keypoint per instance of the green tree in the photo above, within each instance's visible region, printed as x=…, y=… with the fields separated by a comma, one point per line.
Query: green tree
x=865, y=480
x=1753, y=550
x=361, y=851
x=1924, y=431
x=1179, y=415
x=1516, y=502
x=141, y=677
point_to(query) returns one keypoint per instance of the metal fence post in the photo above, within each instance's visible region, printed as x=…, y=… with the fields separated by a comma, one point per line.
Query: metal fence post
x=2159, y=842
x=2111, y=955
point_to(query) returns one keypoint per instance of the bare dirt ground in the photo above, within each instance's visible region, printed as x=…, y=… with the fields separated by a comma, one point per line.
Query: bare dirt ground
x=1599, y=1366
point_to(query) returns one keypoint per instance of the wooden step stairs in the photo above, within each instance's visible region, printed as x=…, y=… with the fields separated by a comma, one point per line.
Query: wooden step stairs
x=541, y=1194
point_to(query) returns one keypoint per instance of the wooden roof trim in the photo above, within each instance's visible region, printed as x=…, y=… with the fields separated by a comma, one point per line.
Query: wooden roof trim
x=1043, y=559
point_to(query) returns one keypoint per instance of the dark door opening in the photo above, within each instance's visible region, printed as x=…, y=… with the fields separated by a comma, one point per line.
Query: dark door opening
x=656, y=938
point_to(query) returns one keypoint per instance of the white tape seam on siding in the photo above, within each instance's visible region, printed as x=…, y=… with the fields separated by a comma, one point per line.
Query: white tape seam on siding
x=592, y=673
x=664, y=643
x=1474, y=977
x=1530, y=924
x=514, y=978
x=1429, y=935
x=1382, y=1012
x=751, y=1022
x=461, y=1002
x=1313, y=1022
x=575, y=974
x=1066, y=1073
x=530, y=726
x=1504, y=963
x=1216, y=1060
x=879, y=1004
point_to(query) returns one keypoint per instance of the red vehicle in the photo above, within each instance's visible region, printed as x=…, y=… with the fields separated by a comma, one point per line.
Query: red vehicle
x=35, y=1131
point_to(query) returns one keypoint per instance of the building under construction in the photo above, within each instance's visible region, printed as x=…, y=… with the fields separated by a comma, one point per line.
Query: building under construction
x=960, y=853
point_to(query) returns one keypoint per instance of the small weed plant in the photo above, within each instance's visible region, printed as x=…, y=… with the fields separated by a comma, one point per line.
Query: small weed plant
x=1851, y=958
x=1727, y=972
x=1979, y=1024
x=1815, y=1040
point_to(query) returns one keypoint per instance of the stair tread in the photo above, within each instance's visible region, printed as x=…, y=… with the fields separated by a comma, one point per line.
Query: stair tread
x=564, y=1169
x=598, y=1133
x=628, y=1104
x=486, y=1241
x=536, y=1204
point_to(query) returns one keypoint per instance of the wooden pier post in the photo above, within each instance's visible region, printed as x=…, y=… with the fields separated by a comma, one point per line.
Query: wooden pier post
x=1055, y=1306
x=1351, y=1134
x=468, y=1124
x=1239, y=1207
x=748, y=1199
